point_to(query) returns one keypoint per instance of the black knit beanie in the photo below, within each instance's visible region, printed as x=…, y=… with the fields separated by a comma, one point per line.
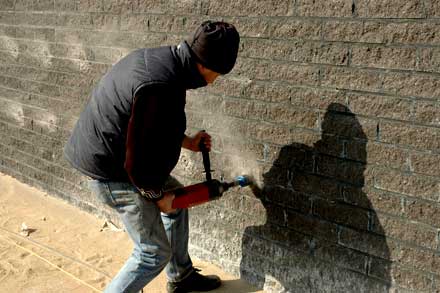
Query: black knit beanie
x=215, y=45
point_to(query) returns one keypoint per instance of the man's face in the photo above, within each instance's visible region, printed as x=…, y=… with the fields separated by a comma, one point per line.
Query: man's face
x=209, y=75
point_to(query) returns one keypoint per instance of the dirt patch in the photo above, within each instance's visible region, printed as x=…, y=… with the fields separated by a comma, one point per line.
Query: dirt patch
x=66, y=250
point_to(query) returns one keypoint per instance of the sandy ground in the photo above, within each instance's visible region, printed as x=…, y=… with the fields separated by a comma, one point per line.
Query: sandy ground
x=66, y=249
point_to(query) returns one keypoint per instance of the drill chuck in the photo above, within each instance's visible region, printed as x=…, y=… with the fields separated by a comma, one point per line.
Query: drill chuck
x=243, y=180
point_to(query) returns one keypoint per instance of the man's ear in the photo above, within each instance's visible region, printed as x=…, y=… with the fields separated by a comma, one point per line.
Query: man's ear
x=209, y=75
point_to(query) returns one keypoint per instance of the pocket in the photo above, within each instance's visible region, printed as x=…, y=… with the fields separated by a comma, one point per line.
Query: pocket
x=122, y=193
x=102, y=192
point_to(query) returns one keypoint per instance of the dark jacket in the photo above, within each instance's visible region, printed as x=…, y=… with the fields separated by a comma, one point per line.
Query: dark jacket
x=133, y=126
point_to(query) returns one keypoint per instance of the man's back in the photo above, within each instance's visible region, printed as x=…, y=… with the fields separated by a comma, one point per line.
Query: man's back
x=97, y=146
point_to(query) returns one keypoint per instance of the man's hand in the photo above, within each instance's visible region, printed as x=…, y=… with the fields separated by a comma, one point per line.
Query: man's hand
x=192, y=142
x=166, y=203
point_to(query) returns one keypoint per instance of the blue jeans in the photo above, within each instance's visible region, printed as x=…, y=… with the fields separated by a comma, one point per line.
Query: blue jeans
x=160, y=240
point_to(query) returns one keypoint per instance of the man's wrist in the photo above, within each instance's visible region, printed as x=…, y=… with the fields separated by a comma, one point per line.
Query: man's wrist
x=186, y=142
x=151, y=194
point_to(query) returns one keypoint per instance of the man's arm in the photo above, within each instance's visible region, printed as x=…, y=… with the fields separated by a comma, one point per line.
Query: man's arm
x=144, y=122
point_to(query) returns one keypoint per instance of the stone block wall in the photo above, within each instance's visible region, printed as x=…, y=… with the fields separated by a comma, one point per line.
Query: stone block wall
x=333, y=107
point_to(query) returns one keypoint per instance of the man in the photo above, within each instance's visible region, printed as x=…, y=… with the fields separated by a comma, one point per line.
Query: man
x=128, y=140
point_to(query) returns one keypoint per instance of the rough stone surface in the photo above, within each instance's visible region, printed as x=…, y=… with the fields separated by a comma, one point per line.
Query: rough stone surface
x=382, y=57
x=246, y=8
x=409, y=184
x=338, y=30
x=433, y=8
x=391, y=9
x=418, y=137
x=337, y=8
x=333, y=107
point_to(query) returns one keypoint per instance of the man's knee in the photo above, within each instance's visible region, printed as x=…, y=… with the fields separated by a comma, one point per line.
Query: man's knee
x=158, y=257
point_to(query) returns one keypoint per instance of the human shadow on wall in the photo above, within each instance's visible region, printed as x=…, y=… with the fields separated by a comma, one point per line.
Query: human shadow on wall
x=321, y=232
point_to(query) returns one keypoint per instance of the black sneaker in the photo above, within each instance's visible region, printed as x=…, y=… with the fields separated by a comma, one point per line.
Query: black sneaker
x=194, y=282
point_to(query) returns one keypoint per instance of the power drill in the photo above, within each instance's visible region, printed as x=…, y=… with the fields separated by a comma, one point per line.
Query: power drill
x=208, y=190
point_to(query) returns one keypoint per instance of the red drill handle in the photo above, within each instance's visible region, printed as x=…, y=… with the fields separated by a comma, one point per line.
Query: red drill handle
x=192, y=195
